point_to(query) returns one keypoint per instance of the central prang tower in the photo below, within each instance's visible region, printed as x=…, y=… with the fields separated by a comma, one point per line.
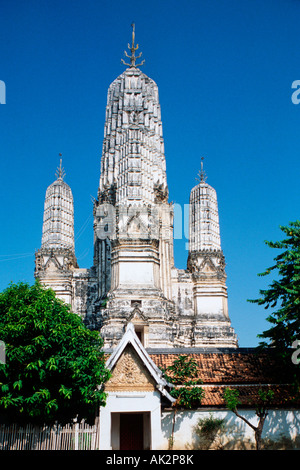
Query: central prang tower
x=133, y=219
x=133, y=277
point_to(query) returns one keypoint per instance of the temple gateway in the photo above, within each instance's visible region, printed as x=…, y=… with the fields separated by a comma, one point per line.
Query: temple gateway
x=147, y=310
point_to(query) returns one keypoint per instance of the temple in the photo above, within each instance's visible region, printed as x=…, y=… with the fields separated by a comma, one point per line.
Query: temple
x=147, y=311
x=133, y=278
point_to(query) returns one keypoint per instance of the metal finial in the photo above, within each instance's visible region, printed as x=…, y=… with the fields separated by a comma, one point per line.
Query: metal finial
x=132, y=48
x=60, y=172
x=201, y=175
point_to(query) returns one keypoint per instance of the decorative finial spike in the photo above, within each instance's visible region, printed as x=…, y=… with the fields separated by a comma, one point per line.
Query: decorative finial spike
x=133, y=33
x=201, y=175
x=132, y=49
x=60, y=172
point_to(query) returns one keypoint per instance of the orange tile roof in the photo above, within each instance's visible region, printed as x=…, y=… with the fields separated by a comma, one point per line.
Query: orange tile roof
x=228, y=368
x=244, y=369
x=249, y=396
x=248, y=372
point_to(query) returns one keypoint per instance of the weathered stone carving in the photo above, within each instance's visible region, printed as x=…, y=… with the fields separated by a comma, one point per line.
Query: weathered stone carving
x=206, y=263
x=161, y=193
x=130, y=374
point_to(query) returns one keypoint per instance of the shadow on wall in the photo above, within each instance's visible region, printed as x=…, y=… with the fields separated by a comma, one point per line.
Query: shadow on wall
x=281, y=430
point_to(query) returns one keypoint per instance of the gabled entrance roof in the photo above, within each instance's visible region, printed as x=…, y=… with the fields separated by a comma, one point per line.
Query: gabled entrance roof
x=130, y=338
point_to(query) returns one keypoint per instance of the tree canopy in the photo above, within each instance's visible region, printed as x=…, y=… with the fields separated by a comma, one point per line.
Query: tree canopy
x=54, y=368
x=283, y=294
x=185, y=374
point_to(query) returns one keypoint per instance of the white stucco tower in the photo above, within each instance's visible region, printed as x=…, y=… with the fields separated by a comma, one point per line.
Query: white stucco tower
x=206, y=263
x=55, y=259
x=133, y=219
x=204, y=217
x=58, y=222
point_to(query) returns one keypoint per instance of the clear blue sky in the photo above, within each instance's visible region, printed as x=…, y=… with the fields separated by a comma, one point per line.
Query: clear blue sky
x=224, y=69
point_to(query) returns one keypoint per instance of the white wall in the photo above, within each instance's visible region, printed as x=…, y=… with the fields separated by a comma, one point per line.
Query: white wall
x=136, y=273
x=279, y=423
x=238, y=435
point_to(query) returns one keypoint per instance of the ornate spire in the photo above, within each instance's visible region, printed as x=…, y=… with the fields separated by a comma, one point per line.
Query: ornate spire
x=201, y=175
x=125, y=173
x=132, y=48
x=58, y=221
x=204, y=216
x=60, y=172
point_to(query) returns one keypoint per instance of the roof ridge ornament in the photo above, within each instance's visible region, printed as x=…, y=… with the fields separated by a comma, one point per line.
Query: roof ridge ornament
x=133, y=48
x=60, y=172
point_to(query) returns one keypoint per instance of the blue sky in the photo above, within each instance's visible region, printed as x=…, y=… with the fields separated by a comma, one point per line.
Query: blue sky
x=224, y=69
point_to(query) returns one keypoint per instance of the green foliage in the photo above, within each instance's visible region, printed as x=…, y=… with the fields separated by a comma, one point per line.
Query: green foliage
x=261, y=404
x=283, y=294
x=207, y=430
x=184, y=373
x=54, y=365
x=231, y=398
x=209, y=425
x=265, y=397
x=188, y=397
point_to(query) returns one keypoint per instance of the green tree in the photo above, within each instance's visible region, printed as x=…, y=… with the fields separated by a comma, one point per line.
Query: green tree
x=265, y=397
x=184, y=375
x=208, y=429
x=283, y=294
x=54, y=366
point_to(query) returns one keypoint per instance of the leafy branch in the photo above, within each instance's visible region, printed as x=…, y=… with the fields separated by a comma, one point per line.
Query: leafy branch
x=184, y=374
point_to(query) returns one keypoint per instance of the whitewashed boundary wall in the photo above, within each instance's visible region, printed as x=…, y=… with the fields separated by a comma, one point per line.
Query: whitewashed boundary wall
x=281, y=426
